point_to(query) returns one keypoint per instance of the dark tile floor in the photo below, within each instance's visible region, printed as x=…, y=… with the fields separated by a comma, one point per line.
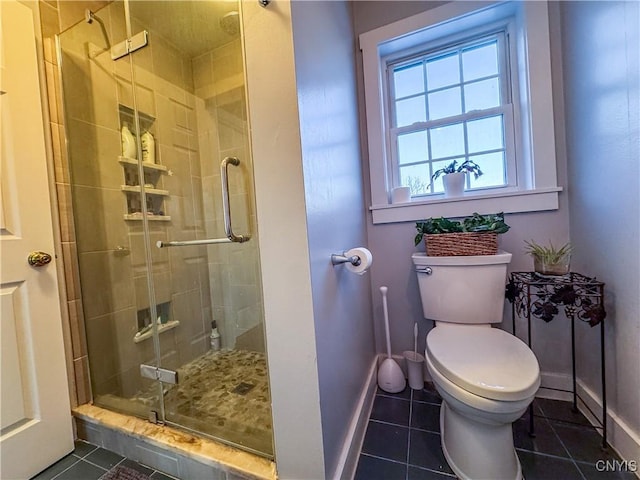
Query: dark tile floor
x=88, y=462
x=402, y=441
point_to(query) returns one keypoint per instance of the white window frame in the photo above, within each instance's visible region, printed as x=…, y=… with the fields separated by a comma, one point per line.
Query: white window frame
x=500, y=33
x=535, y=187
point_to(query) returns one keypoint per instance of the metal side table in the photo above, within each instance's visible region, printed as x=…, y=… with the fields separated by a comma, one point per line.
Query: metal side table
x=581, y=297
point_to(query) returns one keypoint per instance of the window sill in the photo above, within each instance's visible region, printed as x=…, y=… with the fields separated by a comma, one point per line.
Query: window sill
x=438, y=206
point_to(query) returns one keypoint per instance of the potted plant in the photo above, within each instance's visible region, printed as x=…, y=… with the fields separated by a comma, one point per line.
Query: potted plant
x=455, y=176
x=474, y=235
x=549, y=260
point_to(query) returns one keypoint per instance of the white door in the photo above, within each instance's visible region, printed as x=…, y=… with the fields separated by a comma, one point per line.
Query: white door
x=35, y=413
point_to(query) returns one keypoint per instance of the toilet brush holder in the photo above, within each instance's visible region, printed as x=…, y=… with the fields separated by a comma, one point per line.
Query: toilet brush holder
x=415, y=363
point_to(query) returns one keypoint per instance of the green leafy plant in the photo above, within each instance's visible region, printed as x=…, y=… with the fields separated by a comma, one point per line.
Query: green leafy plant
x=549, y=255
x=468, y=166
x=476, y=223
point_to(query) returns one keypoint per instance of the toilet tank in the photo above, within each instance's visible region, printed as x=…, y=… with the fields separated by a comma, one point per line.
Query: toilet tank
x=462, y=289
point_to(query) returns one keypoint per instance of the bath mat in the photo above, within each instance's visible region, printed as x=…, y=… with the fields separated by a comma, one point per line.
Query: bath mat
x=124, y=473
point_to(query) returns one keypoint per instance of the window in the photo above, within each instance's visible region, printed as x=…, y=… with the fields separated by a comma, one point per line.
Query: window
x=452, y=104
x=456, y=83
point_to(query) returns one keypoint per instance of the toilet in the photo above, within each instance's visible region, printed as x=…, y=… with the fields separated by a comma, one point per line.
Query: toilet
x=486, y=377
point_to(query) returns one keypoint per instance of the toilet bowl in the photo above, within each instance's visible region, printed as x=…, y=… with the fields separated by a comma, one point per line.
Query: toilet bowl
x=487, y=378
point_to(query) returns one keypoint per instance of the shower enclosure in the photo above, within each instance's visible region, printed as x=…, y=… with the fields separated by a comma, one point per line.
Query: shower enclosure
x=164, y=215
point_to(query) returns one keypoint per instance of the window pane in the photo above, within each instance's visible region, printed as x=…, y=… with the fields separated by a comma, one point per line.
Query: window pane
x=412, y=147
x=478, y=62
x=485, y=134
x=481, y=95
x=493, y=170
x=408, y=80
x=416, y=177
x=447, y=141
x=443, y=71
x=445, y=103
x=410, y=111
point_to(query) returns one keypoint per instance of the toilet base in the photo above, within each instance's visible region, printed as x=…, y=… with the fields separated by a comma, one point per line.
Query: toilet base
x=477, y=451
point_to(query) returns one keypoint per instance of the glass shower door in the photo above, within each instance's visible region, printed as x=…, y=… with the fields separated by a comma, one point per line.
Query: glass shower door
x=102, y=174
x=195, y=306
x=190, y=79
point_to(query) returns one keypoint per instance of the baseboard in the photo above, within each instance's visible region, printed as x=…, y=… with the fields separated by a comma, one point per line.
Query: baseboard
x=551, y=383
x=620, y=436
x=348, y=461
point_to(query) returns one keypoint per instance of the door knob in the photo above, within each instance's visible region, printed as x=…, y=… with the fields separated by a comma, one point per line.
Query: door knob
x=38, y=259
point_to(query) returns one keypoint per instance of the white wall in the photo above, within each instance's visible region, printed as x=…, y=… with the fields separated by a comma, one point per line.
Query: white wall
x=602, y=81
x=284, y=252
x=309, y=195
x=392, y=244
x=325, y=72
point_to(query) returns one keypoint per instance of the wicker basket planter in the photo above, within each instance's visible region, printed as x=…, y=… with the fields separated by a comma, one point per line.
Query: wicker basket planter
x=461, y=244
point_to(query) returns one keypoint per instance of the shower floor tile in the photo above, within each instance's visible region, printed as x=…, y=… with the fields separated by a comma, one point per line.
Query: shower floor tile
x=224, y=394
x=559, y=450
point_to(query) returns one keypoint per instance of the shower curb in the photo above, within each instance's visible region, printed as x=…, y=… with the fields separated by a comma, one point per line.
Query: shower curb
x=168, y=450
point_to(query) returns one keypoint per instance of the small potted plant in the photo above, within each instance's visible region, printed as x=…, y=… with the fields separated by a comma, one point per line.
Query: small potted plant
x=455, y=176
x=474, y=235
x=549, y=260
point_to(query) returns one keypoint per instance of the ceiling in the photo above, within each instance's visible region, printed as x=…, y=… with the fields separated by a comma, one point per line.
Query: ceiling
x=193, y=26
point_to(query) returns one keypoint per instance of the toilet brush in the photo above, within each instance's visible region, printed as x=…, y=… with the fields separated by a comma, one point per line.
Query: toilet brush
x=390, y=376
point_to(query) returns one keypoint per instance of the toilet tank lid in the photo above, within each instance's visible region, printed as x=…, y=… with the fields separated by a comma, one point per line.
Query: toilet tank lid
x=461, y=260
x=486, y=361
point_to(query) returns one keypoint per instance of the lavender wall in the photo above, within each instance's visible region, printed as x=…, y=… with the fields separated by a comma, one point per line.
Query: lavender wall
x=392, y=244
x=327, y=101
x=602, y=81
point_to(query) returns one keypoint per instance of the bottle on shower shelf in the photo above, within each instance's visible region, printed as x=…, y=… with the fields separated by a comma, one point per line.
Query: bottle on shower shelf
x=214, y=337
x=128, y=142
x=148, y=147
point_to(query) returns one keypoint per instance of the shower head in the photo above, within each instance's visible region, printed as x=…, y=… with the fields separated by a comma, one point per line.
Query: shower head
x=230, y=23
x=90, y=17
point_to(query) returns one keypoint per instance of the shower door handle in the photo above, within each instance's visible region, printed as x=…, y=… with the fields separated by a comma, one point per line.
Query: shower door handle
x=226, y=204
x=226, y=211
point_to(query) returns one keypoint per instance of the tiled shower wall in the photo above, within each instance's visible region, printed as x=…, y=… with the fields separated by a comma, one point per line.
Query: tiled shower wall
x=218, y=78
x=110, y=250
x=54, y=17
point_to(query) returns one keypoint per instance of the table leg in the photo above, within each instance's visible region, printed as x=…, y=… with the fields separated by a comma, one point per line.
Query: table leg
x=604, y=388
x=573, y=363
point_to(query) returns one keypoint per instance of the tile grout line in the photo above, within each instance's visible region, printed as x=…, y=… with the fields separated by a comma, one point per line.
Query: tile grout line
x=73, y=465
x=60, y=473
x=446, y=474
x=96, y=465
x=406, y=474
x=88, y=453
x=406, y=399
x=562, y=443
x=382, y=422
x=382, y=458
x=113, y=468
x=426, y=469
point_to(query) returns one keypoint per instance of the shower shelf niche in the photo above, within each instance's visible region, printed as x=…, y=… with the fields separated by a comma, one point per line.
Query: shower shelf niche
x=150, y=177
x=155, y=196
x=147, y=332
x=132, y=162
x=152, y=218
x=127, y=114
x=147, y=191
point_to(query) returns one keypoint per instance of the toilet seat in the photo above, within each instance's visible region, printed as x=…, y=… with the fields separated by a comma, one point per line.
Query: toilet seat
x=488, y=362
